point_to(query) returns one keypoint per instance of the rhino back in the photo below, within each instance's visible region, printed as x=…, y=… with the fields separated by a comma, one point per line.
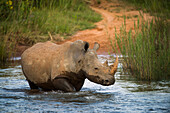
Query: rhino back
x=37, y=61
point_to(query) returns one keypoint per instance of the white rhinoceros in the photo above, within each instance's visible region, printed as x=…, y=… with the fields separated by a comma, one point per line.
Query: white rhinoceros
x=65, y=67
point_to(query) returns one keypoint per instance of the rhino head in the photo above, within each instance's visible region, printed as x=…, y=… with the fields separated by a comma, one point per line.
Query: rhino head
x=87, y=61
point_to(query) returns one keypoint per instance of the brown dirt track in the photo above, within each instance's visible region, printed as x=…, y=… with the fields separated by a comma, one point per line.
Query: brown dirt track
x=112, y=13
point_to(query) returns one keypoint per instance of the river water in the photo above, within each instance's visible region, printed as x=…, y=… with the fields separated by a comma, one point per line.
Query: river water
x=126, y=95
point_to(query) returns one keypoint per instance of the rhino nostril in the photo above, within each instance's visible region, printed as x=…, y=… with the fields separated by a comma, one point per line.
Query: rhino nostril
x=106, y=81
x=96, y=70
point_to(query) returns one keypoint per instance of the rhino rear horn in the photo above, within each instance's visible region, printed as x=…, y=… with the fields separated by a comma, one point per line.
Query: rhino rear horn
x=106, y=63
x=113, y=67
x=96, y=46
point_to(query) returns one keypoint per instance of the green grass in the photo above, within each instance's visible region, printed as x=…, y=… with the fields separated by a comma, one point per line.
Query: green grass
x=7, y=45
x=29, y=21
x=159, y=8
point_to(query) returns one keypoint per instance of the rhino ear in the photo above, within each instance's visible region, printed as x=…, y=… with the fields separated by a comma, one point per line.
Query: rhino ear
x=86, y=46
x=96, y=46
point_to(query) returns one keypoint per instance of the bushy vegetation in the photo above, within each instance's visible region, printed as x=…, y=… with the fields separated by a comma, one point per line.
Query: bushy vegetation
x=146, y=49
x=29, y=21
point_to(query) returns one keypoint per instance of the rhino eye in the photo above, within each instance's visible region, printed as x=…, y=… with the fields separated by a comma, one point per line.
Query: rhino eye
x=79, y=61
x=96, y=68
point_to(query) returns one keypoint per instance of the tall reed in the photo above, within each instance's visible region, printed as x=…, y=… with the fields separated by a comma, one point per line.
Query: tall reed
x=7, y=48
x=147, y=49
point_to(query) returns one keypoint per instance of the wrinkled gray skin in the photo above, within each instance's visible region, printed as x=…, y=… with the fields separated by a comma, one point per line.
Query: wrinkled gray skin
x=65, y=67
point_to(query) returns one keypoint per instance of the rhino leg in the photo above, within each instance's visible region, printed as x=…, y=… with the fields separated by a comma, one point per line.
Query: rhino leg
x=32, y=85
x=79, y=85
x=63, y=84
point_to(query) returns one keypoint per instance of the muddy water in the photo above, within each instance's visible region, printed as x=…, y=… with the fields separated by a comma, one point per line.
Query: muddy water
x=126, y=95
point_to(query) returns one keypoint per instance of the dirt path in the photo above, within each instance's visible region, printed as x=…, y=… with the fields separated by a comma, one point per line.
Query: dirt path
x=104, y=32
x=113, y=13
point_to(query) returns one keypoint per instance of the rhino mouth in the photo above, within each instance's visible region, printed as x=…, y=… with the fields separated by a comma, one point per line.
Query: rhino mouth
x=108, y=82
x=104, y=80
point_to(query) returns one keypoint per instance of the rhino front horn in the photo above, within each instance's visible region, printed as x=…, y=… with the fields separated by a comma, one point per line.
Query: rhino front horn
x=113, y=67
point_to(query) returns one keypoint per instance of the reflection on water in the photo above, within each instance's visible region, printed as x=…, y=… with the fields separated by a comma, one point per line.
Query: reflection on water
x=126, y=95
